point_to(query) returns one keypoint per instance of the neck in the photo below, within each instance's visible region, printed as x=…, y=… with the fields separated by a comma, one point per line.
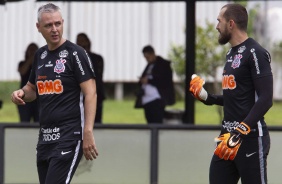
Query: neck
x=55, y=46
x=238, y=38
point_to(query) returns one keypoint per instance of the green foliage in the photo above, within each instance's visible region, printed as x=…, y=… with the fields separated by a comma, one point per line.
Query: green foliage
x=253, y=13
x=276, y=52
x=6, y=88
x=209, y=54
x=177, y=56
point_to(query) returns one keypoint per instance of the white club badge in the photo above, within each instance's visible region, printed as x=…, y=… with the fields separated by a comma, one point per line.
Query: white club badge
x=237, y=61
x=60, y=66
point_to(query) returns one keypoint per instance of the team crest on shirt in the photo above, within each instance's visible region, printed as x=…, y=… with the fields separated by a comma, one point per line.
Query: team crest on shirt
x=242, y=49
x=60, y=66
x=43, y=55
x=237, y=61
x=64, y=54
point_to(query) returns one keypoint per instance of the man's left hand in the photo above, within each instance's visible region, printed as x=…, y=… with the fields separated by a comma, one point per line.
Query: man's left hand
x=228, y=147
x=229, y=143
x=89, y=147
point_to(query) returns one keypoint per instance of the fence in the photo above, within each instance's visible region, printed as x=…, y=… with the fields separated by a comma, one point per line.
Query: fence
x=129, y=154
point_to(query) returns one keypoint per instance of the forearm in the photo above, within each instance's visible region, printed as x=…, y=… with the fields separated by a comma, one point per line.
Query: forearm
x=214, y=100
x=90, y=100
x=264, y=89
x=89, y=112
x=26, y=94
x=29, y=92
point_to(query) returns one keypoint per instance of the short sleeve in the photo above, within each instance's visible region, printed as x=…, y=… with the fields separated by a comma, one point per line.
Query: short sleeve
x=83, y=69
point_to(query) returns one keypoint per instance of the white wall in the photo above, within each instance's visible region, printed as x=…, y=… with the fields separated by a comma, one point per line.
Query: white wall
x=118, y=31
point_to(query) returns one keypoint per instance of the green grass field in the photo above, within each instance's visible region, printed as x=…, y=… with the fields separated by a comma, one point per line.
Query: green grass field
x=122, y=112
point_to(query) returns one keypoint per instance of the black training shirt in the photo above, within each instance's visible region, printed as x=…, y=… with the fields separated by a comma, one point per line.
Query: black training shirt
x=57, y=75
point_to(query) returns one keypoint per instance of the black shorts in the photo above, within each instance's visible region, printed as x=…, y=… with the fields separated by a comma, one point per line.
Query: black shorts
x=249, y=164
x=57, y=162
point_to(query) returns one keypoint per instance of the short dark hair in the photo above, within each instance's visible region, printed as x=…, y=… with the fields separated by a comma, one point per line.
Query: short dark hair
x=148, y=49
x=238, y=14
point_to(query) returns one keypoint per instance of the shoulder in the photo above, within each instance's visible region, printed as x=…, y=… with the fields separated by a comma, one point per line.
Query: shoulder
x=72, y=47
x=258, y=53
x=96, y=56
x=254, y=46
x=21, y=63
x=161, y=59
x=162, y=62
x=74, y=51
x=41, y=52
x=42, y=49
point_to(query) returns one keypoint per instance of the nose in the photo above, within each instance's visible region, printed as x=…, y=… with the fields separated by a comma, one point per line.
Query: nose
x=54, y=28
x=217, y=28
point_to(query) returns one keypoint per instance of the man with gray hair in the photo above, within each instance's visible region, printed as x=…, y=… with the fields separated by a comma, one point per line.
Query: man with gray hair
x=63, y=81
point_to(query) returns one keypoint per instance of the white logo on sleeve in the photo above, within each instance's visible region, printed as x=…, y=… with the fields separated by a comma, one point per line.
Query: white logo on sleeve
x=63, y=153
x=248, y=155
x=40, y=66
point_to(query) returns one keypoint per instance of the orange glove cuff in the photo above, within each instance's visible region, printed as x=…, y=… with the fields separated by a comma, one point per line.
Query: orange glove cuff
x=243, y=128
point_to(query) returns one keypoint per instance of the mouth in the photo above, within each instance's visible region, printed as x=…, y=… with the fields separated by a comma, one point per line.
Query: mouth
x=55, y=36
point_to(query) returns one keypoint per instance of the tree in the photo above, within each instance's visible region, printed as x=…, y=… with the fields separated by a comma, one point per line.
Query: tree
x=209, y=56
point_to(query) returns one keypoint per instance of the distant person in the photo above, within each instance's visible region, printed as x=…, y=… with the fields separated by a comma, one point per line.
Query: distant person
x=98, y=65
x=28, y=112
x=157, y=87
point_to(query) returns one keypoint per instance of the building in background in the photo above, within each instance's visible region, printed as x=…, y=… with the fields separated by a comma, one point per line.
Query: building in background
x=118, y=31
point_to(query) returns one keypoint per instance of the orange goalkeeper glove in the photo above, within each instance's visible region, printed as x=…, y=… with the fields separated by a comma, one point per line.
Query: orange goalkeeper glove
x=196, y=88
x=229, y=143
x=228, y=147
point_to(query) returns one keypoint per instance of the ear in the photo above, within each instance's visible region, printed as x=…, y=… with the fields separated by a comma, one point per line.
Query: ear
x=231, y=24
x=38, y=27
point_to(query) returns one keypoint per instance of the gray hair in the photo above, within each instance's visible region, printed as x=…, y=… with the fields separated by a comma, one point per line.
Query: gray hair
x=47, y=8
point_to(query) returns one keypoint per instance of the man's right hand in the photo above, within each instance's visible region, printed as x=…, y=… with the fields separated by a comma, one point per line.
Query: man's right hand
x=196, y=88
x=144, y=80
x=17, y=97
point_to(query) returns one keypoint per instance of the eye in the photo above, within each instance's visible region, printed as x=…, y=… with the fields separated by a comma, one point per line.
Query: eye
x=48, y=26
x=57, y=24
